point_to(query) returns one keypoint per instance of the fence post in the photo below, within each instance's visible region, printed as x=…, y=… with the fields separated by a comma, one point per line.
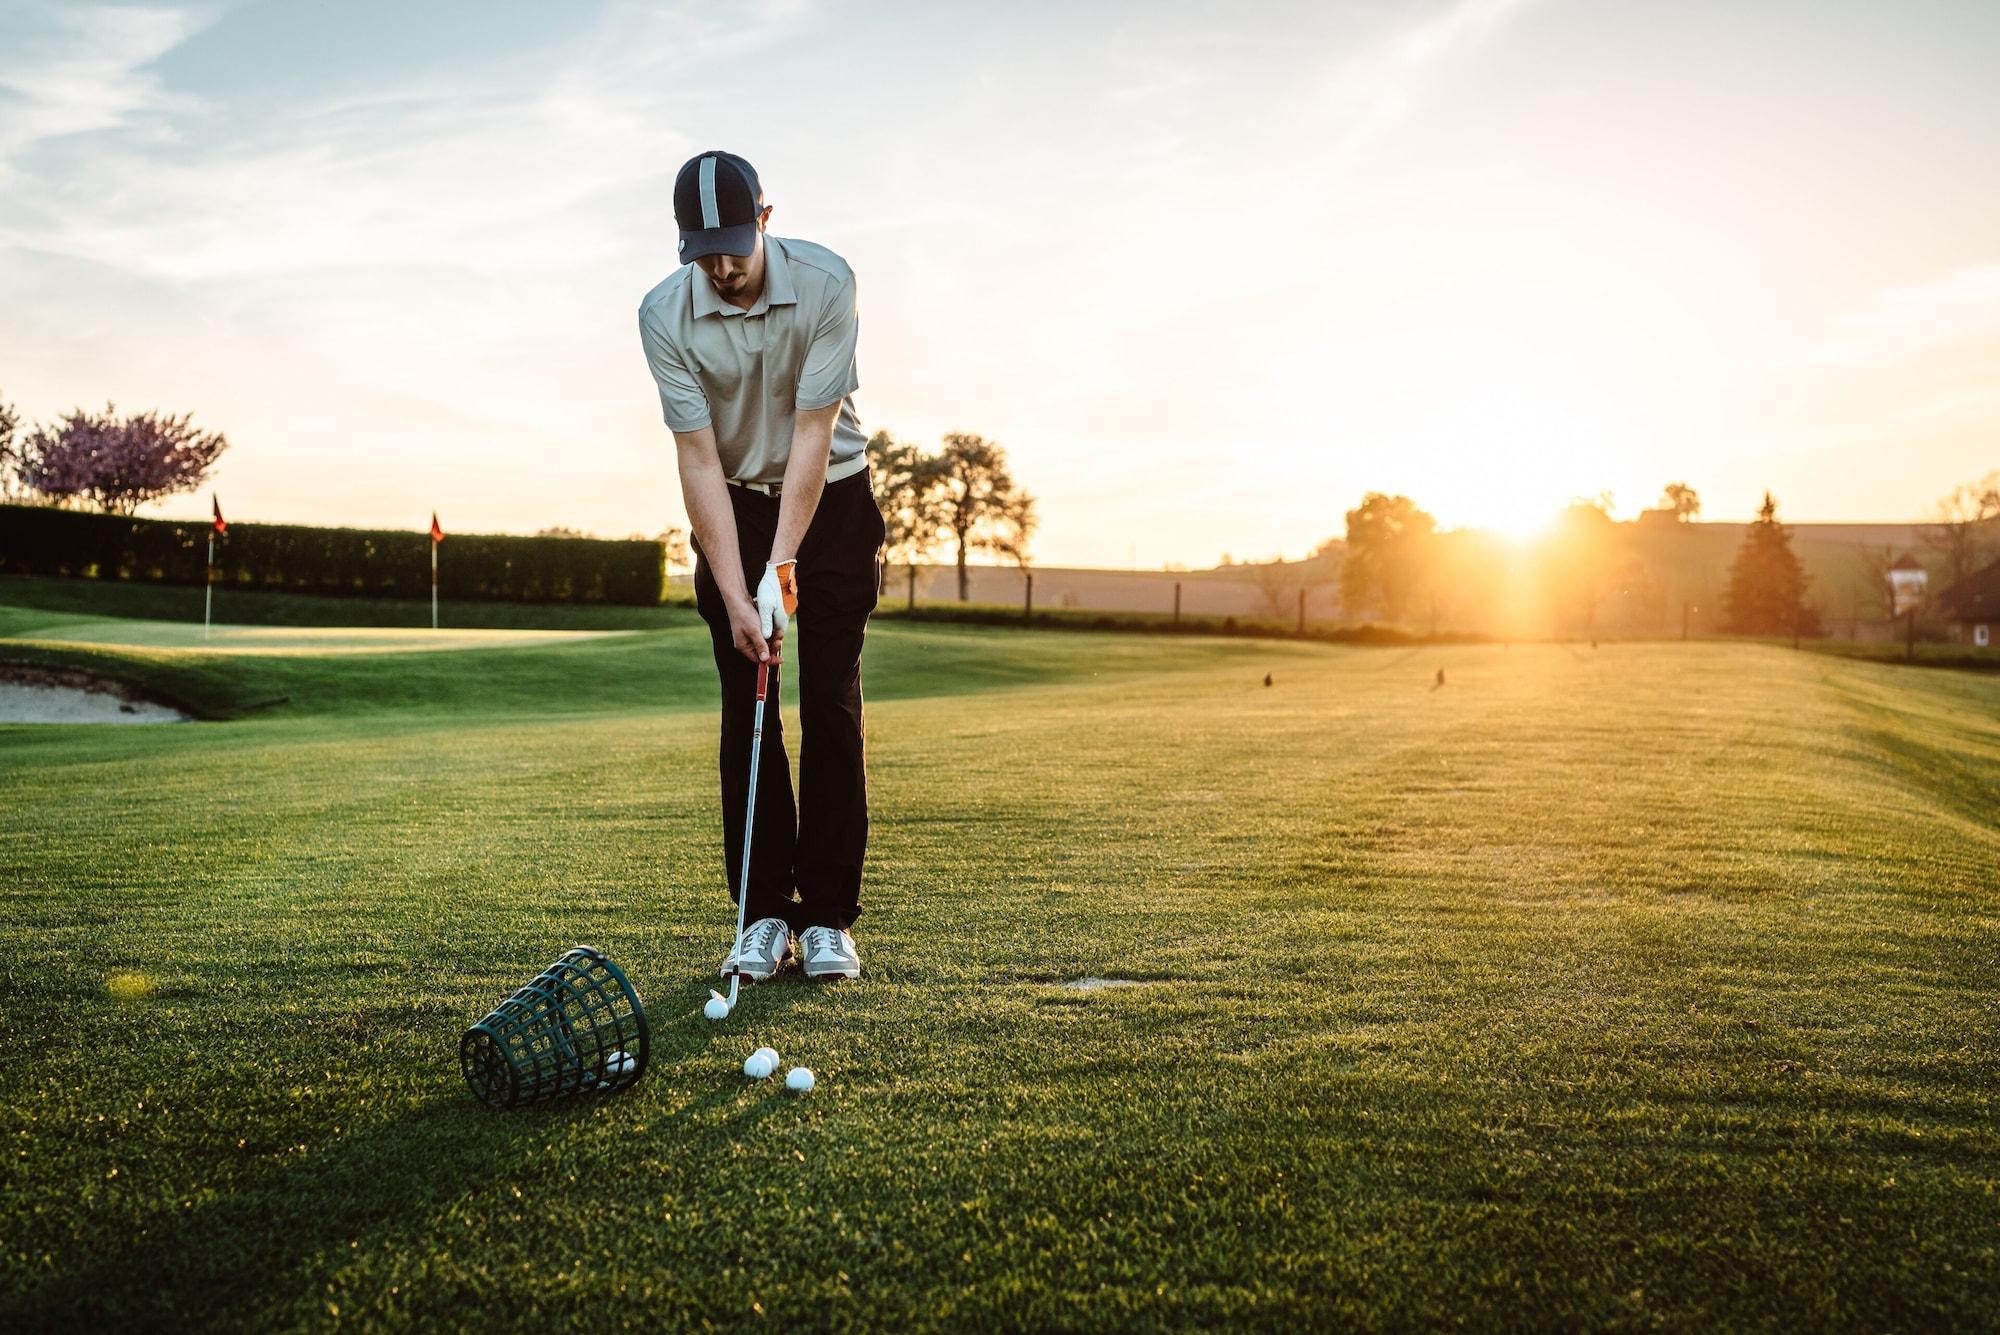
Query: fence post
x=911, y=605
x=1177, y=602
x=1028, y=608
x=1302, y=611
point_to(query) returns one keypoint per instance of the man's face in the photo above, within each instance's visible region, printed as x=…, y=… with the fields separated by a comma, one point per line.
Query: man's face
x=734, y=275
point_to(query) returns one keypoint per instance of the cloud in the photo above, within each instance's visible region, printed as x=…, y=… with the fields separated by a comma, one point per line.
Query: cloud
x=1910, y=320
x=1372, y=91
x=86, y=74
x=502, y=169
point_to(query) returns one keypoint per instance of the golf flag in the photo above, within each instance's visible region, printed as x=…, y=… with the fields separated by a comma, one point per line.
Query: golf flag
x=437, y=536
x=215, y=530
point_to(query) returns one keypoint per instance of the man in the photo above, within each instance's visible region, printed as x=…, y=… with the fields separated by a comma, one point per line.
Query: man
x=752, y=345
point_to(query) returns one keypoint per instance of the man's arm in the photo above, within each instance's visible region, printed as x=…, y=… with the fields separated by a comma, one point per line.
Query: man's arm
x=805, y=478
x=706, y=492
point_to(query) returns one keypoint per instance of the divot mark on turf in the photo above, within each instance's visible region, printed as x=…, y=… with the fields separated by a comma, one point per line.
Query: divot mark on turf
x=1099, y=984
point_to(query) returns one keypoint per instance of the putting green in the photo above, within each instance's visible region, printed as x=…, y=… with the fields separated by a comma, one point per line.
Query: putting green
x=1644, y=988
x=289, y=641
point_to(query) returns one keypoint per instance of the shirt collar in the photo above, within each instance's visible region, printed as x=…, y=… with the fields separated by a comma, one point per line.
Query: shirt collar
x=778, y=289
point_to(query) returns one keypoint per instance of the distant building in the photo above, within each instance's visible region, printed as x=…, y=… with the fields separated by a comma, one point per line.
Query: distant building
x=1974, y=603
x=1659, y=518
x=1907, y=581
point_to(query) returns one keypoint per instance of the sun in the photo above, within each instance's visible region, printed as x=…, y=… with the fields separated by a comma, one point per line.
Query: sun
x=1519, y=517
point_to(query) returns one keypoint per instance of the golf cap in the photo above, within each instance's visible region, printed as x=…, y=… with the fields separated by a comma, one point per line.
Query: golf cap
x=715, y=203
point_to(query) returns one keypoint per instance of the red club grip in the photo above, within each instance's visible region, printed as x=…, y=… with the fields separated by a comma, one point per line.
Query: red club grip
x=763, y=679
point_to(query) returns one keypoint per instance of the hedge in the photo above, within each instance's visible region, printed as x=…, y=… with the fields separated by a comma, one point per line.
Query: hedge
x=376, y=563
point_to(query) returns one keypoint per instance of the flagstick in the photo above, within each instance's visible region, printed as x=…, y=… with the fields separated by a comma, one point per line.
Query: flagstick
x=208, y=587
x=434, y=584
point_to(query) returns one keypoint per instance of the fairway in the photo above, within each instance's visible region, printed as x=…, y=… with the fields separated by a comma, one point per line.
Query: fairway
x=1649, y=986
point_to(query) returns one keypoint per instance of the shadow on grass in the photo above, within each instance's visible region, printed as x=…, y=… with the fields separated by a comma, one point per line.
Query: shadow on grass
x=251, y=1258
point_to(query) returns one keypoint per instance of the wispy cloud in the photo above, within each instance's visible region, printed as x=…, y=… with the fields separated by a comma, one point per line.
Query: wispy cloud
x=492, y=170
x=1375, y=88
x=86, y=73
x=1912, y=319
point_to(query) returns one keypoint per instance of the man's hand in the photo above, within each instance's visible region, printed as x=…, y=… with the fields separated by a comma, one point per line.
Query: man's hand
x=746, y=629
x=778, y=598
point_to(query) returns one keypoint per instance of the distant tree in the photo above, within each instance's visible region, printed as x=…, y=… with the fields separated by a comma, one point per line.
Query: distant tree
x=1278, y=583
x=1958, y=536
x=10, y=422
x=1579, y=560
x=1389, y=551
x=1872, y=565
x=1682, y=500
x=119, y=465
x=561, y=531
x=1767, y=586
x=979, y=505
x=908, y=491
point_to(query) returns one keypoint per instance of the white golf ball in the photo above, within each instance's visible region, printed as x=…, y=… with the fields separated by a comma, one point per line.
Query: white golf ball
x=799, y=1079
x=757, y=1067
x=618, y=1063
x=770, y=1056
x=715, y=1008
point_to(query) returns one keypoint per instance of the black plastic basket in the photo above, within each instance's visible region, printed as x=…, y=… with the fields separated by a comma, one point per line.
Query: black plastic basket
x=577, y=1028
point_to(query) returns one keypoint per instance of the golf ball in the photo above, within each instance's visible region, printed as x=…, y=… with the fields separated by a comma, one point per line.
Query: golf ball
x=715, y=1008
x=618, y=1063
x=770, y=1056
x=757, y=1067
x=799, y=1078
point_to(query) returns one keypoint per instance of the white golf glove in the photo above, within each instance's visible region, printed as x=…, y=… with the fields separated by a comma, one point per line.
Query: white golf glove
x=778, y=597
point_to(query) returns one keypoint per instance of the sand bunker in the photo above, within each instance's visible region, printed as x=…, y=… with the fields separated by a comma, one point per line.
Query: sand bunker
x=42, y=695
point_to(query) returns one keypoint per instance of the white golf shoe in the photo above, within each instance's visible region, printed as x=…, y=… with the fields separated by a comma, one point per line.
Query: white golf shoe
x=767, y=943
x=828, y=952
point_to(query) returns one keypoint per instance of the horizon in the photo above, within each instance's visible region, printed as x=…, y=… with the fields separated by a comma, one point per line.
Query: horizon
x=396, y=257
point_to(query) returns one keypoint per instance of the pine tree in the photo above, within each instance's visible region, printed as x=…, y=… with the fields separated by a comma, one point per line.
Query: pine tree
x=1767, y=586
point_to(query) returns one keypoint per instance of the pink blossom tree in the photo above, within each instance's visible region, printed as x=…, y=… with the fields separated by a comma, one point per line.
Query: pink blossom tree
x=119, y=465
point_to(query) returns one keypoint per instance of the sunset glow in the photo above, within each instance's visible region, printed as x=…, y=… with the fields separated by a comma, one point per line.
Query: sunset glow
x=1208, y=280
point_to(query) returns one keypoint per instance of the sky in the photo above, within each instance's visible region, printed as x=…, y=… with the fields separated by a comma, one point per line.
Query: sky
x=1208, y=272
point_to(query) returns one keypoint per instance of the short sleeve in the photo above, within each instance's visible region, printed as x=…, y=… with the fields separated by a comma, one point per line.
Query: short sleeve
x=682, y=401
x=828, y=375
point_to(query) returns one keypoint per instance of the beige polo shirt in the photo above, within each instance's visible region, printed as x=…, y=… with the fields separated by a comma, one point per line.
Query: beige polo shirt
x=746, y=373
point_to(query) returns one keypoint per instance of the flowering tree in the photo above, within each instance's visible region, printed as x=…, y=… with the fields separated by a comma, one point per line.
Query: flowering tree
x=119, y=465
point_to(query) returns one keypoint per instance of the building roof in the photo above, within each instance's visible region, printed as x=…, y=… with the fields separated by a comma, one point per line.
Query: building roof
x=1906, y=562
x=1974, y=598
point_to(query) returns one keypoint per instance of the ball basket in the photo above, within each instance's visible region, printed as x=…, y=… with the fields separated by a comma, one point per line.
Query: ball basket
x=576, y=1028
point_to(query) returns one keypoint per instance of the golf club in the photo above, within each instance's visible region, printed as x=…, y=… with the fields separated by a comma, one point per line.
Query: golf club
x=749, y=828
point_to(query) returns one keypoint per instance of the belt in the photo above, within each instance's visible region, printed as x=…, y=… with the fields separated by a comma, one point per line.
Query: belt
x=835, y=472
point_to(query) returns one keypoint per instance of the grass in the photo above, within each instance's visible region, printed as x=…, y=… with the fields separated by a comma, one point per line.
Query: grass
x=1637, y=988
x=23, y=598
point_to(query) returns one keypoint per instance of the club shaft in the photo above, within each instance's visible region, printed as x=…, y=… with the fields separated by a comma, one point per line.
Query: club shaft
x=749, y=829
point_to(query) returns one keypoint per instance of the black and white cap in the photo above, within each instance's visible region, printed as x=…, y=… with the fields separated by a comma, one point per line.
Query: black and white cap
x=715, y=203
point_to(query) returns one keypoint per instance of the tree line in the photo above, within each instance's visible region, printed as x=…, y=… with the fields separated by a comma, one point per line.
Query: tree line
x=1396, y=563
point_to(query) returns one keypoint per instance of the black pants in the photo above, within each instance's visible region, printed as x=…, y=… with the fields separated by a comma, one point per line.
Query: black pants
x=816, y=843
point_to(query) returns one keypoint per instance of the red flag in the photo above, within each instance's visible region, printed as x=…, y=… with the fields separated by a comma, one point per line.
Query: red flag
x=220, y=527
x=437, y=534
